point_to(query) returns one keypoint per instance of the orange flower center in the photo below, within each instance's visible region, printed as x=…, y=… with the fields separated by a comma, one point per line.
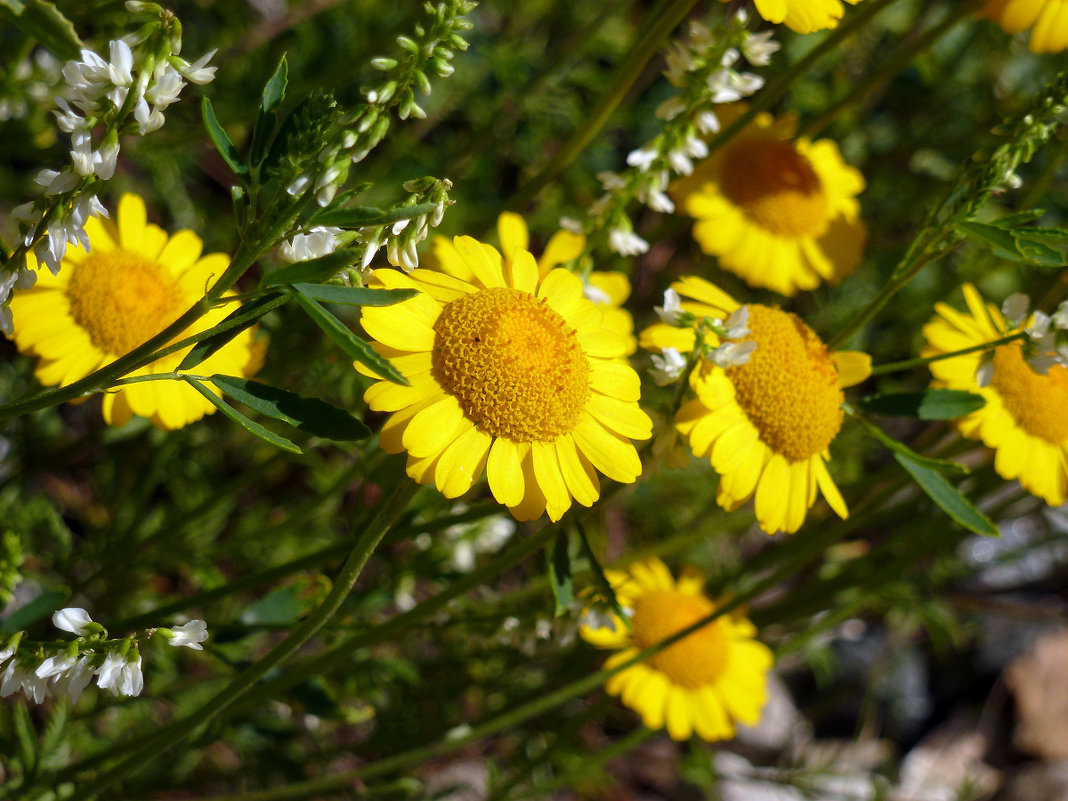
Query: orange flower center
x=789, y=388
x=775, y=186
x=122, y=299
x=694, y=661
x=513, y=363
x=1038, y=403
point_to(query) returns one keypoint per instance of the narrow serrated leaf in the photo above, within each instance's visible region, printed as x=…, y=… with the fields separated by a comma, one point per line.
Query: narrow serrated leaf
x=356, y=348
x=44, y=22
x=933, y=404
x=251, y=426
x=1002, y=242
x=1037, y=251
x=354, y=296
x=274, y=91
x=29, y=613
x=312, y=271
x=941, y=465
x=310, y=415
x=227, y=149
x=947, y=497
x=560, y=580
x=368, y=216
x=232, y=325
x=1051, y=236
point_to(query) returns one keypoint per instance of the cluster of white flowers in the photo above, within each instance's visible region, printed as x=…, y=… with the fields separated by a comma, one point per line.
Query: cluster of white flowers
x=468, y=540
x=141, y=77
x=1046, y=337
x=732, y=353
x=404, y=236
x=116, y=666
x=703, y=68
x=318, y=242
x=669, y=365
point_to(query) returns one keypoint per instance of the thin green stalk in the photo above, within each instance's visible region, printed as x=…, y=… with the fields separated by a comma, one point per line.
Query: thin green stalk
x=388, y=512
x=644, y=49
x=909, y=364
x=770, y=94
x=889, y=68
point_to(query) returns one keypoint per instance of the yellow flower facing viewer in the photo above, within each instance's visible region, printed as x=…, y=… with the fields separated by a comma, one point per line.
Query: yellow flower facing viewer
x=1025, y=419
x=803, y=16
x=704, y=684
x=510, y=373
x=778, y=213
x=1047, y=19
x=765, y=425
x=134, y=281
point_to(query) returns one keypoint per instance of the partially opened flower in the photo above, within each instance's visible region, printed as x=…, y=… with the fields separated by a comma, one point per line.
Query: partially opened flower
x=1025, y=419
x=510, y=373
x=803, y=16
x=608, y=290
x=704, y=684
x=1047, y=19
x=766, y=424
x=781, y=213
x=132, y=282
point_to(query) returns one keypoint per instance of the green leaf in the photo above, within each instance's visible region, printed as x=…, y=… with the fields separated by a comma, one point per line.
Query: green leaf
x=354, y=296
x=40, y=607
x=274, y=92
x=604, y=586
x=899, y=448
x=310, y=415
x=947, y=497
x=252, y=427
x=1051, y=236
x=368, y=216
x=1000, y=241
x=560, y=574
x=285, y=605
x=934, y=404
x=227, y=149
x=356, y=348
x=1018, y=218
x=236, y=322
x=42, y=21
x=1037, y=251
x=313, y=270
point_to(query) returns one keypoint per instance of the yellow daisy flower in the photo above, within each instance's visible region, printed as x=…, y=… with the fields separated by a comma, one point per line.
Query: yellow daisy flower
x=803, y=16
x=134, y=281
x=1047, y=19
x=781, y=214
x=608, y=290
x=765, y=425
x=1025, y=419
x=510, y=373
x=704, y=684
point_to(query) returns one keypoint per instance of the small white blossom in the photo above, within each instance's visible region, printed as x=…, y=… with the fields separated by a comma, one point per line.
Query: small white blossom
x=198, y=72
x=733, y=354
x=1039, y=325
x=707, y=122
x=57, y=182
x=595, y=618
x=671, y=310
x=667, y=367
x=759, y=47
x=641, y=158
x=984, y=373
x=543, y=629
x=190, y=635
x=626, y=243
x=611, y=181
x=299, y=184
x=671, y=108
x=571, y=224
x=15, y=678
x=737, y=324
x=658, y=200
x=72, y=619
x=1015, y=308
x=75, y=680
x=121, y=675
x=595, y=294
x=312, y=245
x=680, y=162
x=55, y=666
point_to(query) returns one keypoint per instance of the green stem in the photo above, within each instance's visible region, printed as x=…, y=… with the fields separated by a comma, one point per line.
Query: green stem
x=888, y=69
x=388, y=512
x=770, y=94
x=908, y=364
x=644, y=49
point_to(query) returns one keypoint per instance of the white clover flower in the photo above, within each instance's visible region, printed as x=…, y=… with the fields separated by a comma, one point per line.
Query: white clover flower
x=371, y=248
x=595, y=294
x=73, y=619
x=626, y=243
x=57, y=182
x=76, y=679
x=318, y=242
x=642, y=158
x=707, y=122
x=759, y=47
x=658, y=200
x=680, y=161
x=299, y=184
x=55, y=666
x=737, y=324
x=1039, y=325
x=1015, y=308
x=199, y=72
x=733, y=354
x=671, y=108
x=667, y=367
x=671, y=311
x=121, y=675
x=190, y=635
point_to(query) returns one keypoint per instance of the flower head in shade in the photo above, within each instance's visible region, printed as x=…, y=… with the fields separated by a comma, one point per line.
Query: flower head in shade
x=1047, y=19
x=765, y=423
x=705, y=683
x=608, y=290
x=512, y=374
x=129, y=284
x=803, y=16
x=189, y=635
x=1025, y=419
x=781, y=213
